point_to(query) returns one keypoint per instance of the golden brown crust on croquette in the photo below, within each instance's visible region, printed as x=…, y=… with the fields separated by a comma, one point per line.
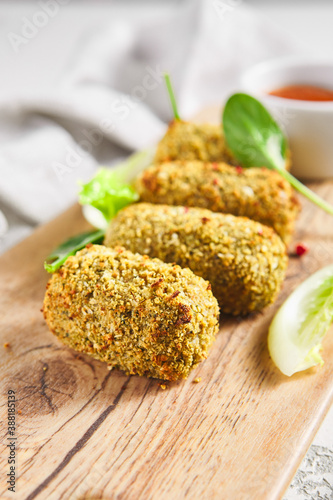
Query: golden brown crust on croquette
x=244, y=261
x=257, y=193
x=191, y=141
x=137, y=314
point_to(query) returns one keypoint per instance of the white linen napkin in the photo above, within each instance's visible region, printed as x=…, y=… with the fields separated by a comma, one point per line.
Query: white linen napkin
x=113, y=100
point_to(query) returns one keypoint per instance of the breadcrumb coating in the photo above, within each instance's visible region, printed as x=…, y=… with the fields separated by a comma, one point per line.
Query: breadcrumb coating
x=192, y=141
x=257, y=193
x=244, y=261
x=135, y=313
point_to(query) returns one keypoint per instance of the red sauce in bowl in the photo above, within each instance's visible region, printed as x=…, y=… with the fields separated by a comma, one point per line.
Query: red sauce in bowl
x=303, y=93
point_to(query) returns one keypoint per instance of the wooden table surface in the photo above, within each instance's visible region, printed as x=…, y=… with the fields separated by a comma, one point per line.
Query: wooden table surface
x=84, y=432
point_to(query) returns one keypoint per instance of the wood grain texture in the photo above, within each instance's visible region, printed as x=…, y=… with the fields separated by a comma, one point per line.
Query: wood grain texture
x=87, y=433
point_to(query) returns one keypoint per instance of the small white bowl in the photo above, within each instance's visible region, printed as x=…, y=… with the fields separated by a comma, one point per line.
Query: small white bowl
x=307, y=124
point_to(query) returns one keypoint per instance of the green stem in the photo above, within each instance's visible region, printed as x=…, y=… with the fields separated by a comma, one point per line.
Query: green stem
x=172, y=96
x=305, y=191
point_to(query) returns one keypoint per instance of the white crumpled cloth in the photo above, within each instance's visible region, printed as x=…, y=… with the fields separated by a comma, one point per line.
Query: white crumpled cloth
x=111, y=99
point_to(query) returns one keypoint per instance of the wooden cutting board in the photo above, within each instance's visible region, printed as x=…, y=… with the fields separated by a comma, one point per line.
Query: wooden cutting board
x=84, y=432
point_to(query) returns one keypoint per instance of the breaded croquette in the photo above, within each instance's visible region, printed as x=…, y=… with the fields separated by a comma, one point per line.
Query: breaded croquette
x=257, y=193
x=244, y=261
x=191, y=141
x=135, y=313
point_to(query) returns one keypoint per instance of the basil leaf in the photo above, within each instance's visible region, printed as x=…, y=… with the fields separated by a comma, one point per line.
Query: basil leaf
x=252, y=134
x=256, y=140
x=70, y=247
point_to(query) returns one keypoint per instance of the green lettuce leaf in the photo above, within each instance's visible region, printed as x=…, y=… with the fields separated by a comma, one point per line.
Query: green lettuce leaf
x=108, y=193
x=110, y=190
